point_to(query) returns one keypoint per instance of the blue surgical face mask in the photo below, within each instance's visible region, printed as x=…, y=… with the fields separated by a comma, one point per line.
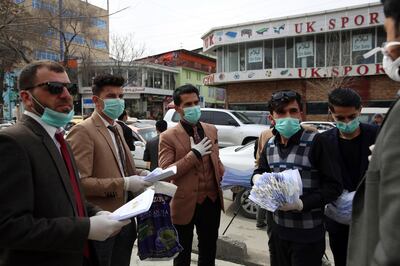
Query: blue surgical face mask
x=348, y=128
x=192, y=114
x=54, y=118
x=287, y=126
x=113, y=108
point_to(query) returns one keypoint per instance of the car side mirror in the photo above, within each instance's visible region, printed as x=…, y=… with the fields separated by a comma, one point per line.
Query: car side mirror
x=139, y=144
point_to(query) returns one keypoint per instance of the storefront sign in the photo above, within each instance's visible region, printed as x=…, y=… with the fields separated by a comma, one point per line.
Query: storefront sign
x=255, y=55
x=304, y=49
x=362, y=42
x=346, y=19
x=296, y=73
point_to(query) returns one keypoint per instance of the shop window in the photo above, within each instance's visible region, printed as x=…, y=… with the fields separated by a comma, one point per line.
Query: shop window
x=188, y=75
x=317, y=108
x=346, y=48
x=242, y=57
x=254, y=56
x=332, y=49
x=226, y=59
x=279, y=53
x=233, y=58
x=320, y=50
x=149, y=79
x=219, y=59
x=305, y=51
x=157, y=79
x=268, y=54
x=380, y=40
x=289, y=53
x=362, y=42
x=132, y=77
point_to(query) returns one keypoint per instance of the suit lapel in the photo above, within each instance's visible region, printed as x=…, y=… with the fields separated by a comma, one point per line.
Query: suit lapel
x=101, y=127
x=56, y=156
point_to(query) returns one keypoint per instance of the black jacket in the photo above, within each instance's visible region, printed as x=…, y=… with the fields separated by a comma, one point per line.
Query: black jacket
x=151, y=152
x=368, y=136
x=128, y=135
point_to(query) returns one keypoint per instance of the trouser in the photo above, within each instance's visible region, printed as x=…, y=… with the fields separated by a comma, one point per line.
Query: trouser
x=206, y=218
x=338, y=240
x=117, y=250
x=271, y=240
x=260, y=215
x=290, y=253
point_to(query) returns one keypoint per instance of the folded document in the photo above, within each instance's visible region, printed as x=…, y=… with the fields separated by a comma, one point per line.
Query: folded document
x=160, y=174
x=138, y=205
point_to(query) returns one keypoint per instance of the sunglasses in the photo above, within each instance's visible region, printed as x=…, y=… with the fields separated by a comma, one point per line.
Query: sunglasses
x=57, y=87
x=283, y=95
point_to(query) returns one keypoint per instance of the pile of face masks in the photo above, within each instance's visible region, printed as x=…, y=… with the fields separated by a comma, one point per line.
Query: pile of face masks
x=233, y=177
x=273, y=190
x=340, y=210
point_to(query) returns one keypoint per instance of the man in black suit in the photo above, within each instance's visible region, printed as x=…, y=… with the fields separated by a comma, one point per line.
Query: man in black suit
x=151, y=151
x=44, y=216
x=350, y=140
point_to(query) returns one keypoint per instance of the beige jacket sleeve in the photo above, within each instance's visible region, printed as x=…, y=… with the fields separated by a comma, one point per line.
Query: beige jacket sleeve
x=83, y=148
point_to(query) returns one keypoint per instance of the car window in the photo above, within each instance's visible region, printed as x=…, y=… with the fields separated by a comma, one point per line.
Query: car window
x=243, y=118
x=147, y=133
x=176, y=117
x=205, y=117
x=220, y=118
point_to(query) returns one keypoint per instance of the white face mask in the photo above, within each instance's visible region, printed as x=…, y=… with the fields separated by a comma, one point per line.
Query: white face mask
x=392, y=68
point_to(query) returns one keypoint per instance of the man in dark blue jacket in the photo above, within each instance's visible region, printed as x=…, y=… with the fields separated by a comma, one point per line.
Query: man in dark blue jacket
x=351, y=141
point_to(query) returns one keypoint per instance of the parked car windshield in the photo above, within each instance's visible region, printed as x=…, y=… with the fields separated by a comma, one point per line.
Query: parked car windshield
x=250, y=144
x=147, y=133
x=243, y=118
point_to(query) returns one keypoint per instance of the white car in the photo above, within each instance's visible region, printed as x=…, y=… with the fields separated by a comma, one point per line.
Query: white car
x=234, y=127
x=240, y=158
x=321, y=126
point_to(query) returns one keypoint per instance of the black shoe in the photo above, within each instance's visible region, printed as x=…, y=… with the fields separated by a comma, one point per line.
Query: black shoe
x=261, y=225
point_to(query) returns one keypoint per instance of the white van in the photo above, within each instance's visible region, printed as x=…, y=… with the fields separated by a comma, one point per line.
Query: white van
x=367, y=113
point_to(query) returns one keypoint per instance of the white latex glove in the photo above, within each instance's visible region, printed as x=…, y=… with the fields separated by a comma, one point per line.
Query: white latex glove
x=203, y=147
x=102, y=227
x=296, y=206
x=144, y=173
x=371, y=148
x=135, y=183
x=255, y=178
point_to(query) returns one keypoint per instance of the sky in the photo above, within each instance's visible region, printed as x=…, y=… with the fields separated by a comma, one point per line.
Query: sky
x=165, y=25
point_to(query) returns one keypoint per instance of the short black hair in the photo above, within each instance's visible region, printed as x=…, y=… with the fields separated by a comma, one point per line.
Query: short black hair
x=103, y=80
x=391, y=8
x=277, y=104
x=27, y=77
x=185, y=89
x=124, y=113
x=343, y=97
x=161, y=125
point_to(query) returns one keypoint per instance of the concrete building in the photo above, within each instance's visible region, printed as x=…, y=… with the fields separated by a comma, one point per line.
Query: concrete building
x=147, y=92
x=309, y=53
x=193, y=68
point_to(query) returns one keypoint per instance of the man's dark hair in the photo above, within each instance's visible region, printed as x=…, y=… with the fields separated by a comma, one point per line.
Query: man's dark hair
x=124, y=113
x=279, y=100
x=161, y=125
x=343, y=97
x=391, y=8
x=103, y=80
x=27, y=77
x=185, y=89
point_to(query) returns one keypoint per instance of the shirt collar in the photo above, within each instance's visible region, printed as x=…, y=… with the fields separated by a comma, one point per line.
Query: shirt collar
x=293, y=140
x=49, y=129
x=106, y=122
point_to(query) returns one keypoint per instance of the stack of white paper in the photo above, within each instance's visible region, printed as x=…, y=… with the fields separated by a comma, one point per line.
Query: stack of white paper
x=160, y=174
x=138, y=205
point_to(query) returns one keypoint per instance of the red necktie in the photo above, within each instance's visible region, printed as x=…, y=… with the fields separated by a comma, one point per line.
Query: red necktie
x=74, y=182
x=196, y=135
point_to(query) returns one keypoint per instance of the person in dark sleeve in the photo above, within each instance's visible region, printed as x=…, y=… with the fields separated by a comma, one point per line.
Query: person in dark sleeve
x=128, y=134
x=351, y=139
x=151, y=151
x=298, y=228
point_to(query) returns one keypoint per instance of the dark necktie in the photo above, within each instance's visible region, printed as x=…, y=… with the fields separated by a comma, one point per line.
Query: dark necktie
x=119, y=146
x=74, y=182
x=196, y=135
